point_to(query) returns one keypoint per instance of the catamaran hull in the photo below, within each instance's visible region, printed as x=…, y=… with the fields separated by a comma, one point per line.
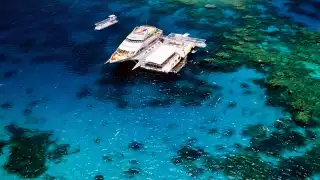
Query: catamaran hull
x=122, y=60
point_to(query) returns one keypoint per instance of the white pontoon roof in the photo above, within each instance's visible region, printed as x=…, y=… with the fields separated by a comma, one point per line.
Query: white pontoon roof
x=161, y=54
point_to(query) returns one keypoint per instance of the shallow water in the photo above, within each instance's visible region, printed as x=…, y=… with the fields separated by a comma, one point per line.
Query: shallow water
x=53, y=79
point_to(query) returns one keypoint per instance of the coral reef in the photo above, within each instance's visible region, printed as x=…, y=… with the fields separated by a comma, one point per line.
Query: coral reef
x=289, y=81
x=247, y=162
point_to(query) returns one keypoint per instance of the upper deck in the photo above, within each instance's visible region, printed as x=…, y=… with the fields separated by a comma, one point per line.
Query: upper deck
x=141, y=33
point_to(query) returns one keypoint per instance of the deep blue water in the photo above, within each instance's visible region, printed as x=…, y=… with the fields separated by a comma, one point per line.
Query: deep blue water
x=52, y=72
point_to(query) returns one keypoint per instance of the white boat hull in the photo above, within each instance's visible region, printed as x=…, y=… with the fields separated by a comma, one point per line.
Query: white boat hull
x=102, y=26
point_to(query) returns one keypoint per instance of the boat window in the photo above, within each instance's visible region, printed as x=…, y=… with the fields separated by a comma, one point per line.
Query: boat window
x=153, y=65
x=133, y=41
x=120, y=51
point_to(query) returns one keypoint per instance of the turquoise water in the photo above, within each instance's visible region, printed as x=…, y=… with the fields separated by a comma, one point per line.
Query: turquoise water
x=121, y=124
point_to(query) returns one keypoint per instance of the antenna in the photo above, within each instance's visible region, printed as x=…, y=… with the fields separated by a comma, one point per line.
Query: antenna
x=147, y=21
x=146, y=18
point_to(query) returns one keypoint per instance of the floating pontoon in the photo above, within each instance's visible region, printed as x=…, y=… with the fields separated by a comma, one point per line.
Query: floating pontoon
x=185, y=37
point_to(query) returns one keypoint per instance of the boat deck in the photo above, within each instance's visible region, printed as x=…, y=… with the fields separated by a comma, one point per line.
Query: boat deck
x=143, y=55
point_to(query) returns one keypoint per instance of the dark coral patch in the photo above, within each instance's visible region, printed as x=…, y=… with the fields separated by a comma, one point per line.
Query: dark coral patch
x=255, y=131
x=84, y=92
x=191, y=140
x=247, y=92
x=294, y=168
x=97, y=140
x=133, y=162
x=260, y=82
x=98, y=177
x=237, y=145
x=220, y=147
x=27, y=157
x=228, y=133
x=160, y=102
x=33, y=103
x=246, y=167
x=2, y=145
x=6, y=105
x=134, y=145
x=29, y=151
x=3, y=57
x=187, y=153
x=29, y=90
x=49, y=177
x=244, y=85
x=9, y=74
x=131, y=172
x=194, y=171
x=58, y=152
x=282, y=124
x=232, y=105
x=176, y=160
x=213, y=164
x=311, y=135
x=277, y=142
x=27, y=112
x=107, y=158
x=16, y=131
x=213, y=131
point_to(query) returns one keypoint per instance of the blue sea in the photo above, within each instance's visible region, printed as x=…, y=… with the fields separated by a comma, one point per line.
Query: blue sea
x=118, y=123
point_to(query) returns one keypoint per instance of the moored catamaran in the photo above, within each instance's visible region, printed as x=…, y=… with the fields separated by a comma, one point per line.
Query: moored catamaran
x=151, y=50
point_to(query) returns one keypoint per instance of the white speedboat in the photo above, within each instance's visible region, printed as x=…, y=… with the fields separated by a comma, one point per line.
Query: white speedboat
x=111, y=20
